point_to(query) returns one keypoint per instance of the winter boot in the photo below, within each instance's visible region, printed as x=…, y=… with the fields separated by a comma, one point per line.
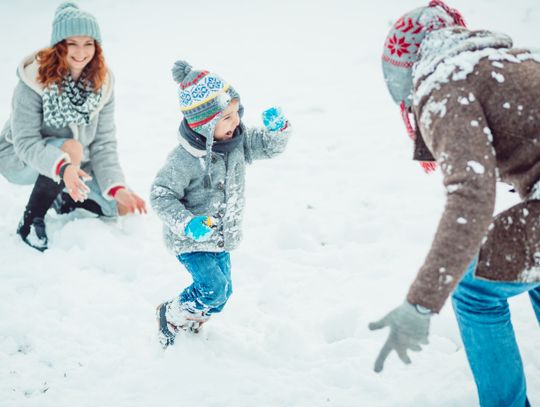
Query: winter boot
x=34, y=234
x=32, y=227
x=64, y=204
x=173, y=317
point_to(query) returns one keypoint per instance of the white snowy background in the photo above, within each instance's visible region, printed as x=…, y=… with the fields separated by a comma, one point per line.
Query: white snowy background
x=335, y=228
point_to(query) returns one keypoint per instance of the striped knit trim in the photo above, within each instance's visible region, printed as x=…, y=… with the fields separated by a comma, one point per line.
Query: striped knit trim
x=209, y=110
x=400, y=64
x=202, y=122
x=211, y=97
x=194, y=81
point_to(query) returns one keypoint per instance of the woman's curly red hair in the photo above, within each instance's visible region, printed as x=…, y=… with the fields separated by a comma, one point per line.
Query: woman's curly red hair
x=53, y=66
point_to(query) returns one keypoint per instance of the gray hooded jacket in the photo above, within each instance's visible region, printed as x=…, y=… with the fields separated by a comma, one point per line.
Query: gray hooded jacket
x=178, y=193
x=23, y=138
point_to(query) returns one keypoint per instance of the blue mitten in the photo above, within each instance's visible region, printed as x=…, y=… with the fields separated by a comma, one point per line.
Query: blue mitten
x=273, y=119
x=199, y=228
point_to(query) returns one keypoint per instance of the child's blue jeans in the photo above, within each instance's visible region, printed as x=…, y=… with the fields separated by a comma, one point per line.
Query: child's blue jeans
x=483, y=316
x=212, y=285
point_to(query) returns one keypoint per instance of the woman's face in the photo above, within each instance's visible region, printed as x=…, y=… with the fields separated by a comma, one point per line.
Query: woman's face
x=80, y=51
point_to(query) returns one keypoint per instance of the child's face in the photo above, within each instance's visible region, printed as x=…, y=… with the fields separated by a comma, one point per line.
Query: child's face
x=229, y=122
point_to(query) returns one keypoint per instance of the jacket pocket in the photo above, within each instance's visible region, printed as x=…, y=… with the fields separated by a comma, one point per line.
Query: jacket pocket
x=512, y=250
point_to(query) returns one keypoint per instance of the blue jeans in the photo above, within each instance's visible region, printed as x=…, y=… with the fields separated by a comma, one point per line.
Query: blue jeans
x=28, y=176
x=483, y=316
x=212, y=284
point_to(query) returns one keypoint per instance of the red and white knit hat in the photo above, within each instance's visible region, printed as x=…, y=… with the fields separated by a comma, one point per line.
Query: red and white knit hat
x=401, y=52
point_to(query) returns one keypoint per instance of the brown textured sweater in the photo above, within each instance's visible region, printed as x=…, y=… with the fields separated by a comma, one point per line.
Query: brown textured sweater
x=477, y=104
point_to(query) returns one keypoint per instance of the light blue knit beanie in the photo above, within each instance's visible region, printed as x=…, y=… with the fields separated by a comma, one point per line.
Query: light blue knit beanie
x=70, y=21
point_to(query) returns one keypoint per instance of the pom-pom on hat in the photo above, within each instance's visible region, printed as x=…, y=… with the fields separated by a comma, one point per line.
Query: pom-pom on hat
x=401, y=52
x=203, y=96
x=71, y=21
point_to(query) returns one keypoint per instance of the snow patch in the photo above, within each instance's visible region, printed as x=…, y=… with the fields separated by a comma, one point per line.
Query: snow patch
x=476, y=167
x=462, y=221
x=535, y=192
x=535, y=56
x=498, y=77
x=455, y=67
x=433, y=107
x=487, y=132
x=453, y=188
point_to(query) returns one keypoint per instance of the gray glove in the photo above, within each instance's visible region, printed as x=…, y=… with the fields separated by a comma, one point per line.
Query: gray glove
x=409, y=327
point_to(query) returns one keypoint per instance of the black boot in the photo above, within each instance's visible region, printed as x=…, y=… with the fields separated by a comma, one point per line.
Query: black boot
x=64, y=204
x=34, y=234
x=32, y=227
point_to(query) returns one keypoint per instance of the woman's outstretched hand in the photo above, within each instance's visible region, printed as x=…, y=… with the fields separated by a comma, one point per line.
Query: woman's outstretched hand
x=74, y=179
x=129, y=202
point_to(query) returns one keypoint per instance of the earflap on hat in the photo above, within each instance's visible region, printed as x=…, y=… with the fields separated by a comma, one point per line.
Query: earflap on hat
x=401, y=52
x=203, y=98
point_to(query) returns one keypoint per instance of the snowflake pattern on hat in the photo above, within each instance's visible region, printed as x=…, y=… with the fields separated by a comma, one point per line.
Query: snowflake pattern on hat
x=401, y=49
x=205, y=89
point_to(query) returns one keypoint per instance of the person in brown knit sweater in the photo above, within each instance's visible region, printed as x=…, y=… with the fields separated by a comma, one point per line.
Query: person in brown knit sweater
x=476, y=103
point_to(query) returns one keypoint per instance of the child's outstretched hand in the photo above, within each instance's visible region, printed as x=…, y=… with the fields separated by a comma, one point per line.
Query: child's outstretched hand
x=199, y=228
x=273, y=119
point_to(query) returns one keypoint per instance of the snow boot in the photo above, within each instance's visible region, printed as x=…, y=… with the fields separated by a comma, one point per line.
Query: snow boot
x=64, y=204
x=32, y=227
x=173, y=317
x=33, y=233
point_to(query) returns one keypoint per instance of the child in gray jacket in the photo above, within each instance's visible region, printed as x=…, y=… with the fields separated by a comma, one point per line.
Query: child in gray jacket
x=199, y=193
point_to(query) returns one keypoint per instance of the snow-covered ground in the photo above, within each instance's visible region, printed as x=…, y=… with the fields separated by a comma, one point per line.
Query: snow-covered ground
x=335, y=228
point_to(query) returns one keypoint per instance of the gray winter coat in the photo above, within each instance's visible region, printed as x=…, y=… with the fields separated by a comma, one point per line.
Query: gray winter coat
x=178, y=193
x=22, y=140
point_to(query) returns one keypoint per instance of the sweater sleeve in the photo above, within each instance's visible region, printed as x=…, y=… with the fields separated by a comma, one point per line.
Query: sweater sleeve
x=461, y=141
x=28, y=143
x=167, y=192
x=259, y=143
x=104, y=154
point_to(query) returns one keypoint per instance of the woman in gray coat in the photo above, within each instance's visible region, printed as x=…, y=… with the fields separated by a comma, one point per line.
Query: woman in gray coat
x=61, y=133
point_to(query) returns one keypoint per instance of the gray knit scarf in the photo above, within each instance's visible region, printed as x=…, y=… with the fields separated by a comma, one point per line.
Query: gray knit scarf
x=70, y=103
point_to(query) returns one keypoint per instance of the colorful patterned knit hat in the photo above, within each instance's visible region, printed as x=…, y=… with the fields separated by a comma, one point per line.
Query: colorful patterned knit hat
x=401, y=52
x=70, y=21
x=203, y=97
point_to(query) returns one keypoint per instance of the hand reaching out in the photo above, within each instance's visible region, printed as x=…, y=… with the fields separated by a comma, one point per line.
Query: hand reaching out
x=409, y=328
x=129, y=202
x=74, y=179
x=274, y=120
